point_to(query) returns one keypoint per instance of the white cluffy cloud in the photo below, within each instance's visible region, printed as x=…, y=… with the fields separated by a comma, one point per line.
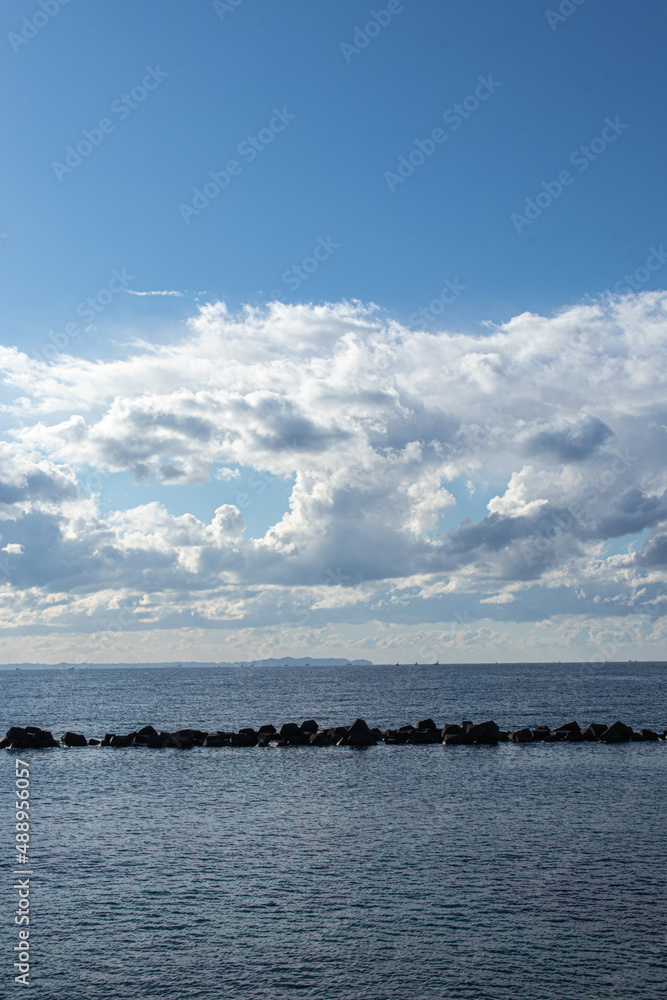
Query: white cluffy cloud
x=389, y=438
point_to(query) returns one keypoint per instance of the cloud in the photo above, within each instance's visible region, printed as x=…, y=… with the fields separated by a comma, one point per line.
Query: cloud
x=654, y=551
x=386, y=435
x=26, y=481
x=132, y=291
x=504, y=598
x=572, y=442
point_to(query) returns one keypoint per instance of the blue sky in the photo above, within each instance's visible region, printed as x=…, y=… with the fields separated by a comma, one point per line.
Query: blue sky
x=446, y=440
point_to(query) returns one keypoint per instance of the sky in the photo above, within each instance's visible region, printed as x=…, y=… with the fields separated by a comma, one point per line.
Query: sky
x=333, y=329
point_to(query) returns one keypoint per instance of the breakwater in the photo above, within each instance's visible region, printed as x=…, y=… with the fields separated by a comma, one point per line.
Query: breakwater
x=357, y=734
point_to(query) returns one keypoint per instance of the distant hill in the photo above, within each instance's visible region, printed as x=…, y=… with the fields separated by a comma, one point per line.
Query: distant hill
x=284, y=661
x=305, y=661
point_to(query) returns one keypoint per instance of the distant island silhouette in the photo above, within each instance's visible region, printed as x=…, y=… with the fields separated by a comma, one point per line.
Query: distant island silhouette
x=283, y=661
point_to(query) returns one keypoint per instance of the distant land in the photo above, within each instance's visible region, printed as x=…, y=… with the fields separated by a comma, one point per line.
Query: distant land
x=284, y=661
x=306, y=661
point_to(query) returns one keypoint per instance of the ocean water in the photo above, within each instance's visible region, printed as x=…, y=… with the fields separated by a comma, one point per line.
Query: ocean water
x=469, y=873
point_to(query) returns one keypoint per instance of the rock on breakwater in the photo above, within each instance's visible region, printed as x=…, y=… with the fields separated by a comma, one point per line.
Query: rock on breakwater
x=358, y=734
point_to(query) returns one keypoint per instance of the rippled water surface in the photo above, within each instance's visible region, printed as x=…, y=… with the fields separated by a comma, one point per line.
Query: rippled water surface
x=389, y=872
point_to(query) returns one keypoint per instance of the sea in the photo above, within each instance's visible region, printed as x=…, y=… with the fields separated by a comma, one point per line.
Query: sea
x=382, y=873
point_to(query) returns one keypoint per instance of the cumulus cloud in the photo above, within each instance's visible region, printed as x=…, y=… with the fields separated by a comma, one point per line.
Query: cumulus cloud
x=384, y=434
x=573, y=442
x=26, y=481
